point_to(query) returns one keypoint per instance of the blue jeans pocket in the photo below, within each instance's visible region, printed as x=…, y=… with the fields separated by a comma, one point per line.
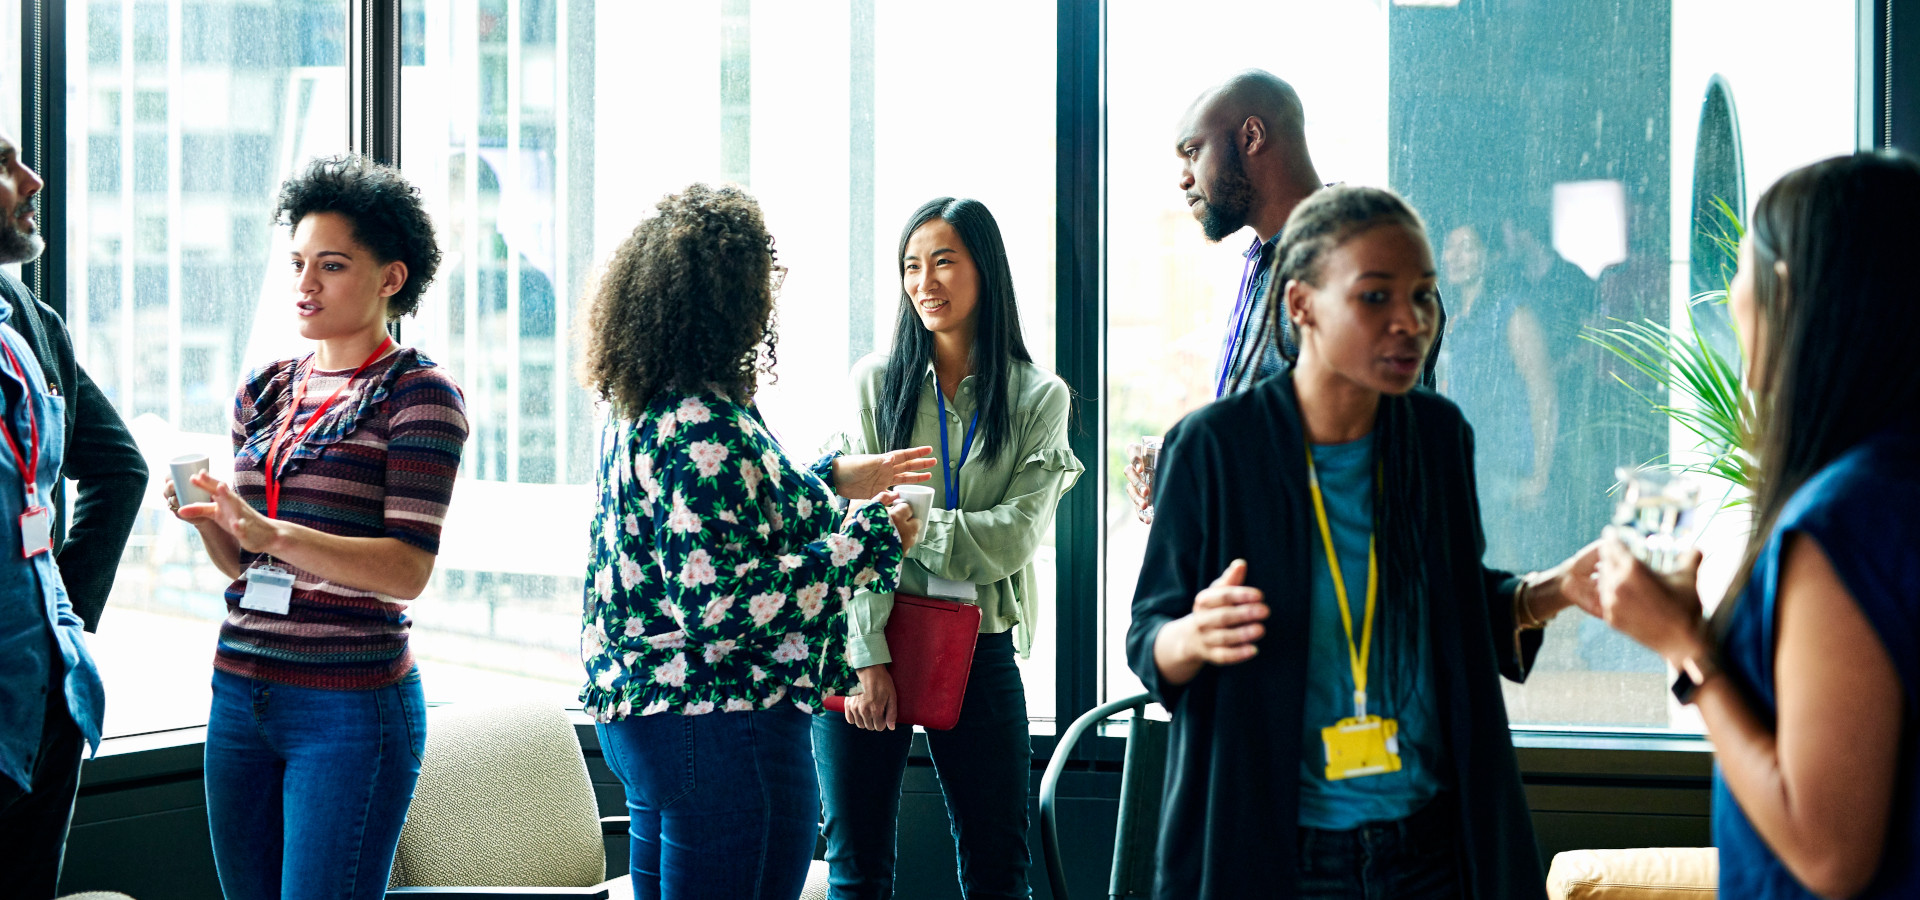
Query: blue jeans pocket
x=653, y=755
x=413, y=711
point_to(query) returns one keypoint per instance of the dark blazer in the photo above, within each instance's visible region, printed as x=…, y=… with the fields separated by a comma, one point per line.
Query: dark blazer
x=1232, y=484
x=105, y=464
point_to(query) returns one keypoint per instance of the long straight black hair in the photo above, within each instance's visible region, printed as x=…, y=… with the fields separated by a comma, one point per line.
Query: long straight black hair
x=1321, y=223
x=1837, y=362
x=997, y=341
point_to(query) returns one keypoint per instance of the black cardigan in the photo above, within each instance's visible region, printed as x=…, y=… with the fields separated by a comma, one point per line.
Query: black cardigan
x=104, y=463
x=1232, y=484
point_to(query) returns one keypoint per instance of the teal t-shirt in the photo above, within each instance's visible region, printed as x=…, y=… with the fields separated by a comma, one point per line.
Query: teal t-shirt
x=1346, y=480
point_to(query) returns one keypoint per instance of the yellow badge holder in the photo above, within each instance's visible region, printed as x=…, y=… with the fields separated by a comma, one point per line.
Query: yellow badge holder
x=1362, y=745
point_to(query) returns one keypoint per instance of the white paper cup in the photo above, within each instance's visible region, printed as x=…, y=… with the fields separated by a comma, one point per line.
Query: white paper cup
x=918, y=496
x=184, y=468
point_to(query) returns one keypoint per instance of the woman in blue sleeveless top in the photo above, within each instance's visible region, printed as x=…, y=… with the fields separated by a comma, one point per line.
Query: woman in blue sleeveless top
x=1807, y=675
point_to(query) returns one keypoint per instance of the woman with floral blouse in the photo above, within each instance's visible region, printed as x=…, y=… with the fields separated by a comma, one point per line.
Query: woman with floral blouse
x=718, y=566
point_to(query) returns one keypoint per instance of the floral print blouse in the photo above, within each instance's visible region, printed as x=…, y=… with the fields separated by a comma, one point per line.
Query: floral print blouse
x=718, y=567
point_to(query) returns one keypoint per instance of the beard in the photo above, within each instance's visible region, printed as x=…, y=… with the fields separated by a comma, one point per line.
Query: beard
x=18, y=246
x=1229, y=198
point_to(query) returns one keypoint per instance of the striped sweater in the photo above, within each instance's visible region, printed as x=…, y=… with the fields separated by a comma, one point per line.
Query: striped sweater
x=380, y=463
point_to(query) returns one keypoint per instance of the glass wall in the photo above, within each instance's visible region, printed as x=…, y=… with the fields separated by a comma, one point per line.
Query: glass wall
x=541, y=139
x=184, y=117
x=1552, y=154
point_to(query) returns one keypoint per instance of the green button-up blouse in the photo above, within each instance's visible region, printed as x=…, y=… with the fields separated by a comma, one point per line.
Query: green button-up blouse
x=1005, y=510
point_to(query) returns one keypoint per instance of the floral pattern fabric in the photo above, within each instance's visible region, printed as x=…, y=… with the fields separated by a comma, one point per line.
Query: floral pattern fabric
x=719, y=569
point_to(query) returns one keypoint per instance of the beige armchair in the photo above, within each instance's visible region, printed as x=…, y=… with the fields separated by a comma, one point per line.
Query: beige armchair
x=504, y=801
x=505, y=809
x=1665, y=873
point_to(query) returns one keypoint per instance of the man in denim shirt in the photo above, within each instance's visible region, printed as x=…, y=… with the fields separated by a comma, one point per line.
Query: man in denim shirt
x=51, y=701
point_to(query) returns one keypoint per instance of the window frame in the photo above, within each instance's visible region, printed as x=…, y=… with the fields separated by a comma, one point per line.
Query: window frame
x=1887, y=113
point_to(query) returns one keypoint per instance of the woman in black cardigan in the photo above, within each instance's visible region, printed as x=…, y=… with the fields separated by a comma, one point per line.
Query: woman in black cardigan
x=1233, y=603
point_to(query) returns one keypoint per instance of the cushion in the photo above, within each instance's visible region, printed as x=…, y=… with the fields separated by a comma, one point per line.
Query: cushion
x=504, y=800
x=1661, y=873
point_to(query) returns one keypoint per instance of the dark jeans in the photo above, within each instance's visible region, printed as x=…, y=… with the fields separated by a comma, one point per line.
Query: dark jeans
x=984, y=765
x=723, y=804
x=307, y=788
x=1415, y=858
x=33, y=824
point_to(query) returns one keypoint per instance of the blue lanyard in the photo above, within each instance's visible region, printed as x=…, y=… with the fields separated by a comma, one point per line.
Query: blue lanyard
x=1241, y=306
x=952, y=473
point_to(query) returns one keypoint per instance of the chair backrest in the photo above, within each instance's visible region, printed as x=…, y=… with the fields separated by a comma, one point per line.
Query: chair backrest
x=1143, y=778
x=504, y=800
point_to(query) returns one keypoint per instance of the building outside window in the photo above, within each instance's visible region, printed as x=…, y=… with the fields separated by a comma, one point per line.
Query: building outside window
x=1560, y=146
x=1551, y=151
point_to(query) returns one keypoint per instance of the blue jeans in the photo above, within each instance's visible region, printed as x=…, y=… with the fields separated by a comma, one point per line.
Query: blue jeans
x=984, y=764
x=723, y=805
x=307, y=788
x=1415, y=858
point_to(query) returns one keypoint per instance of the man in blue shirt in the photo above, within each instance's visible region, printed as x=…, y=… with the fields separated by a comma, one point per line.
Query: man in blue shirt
x=51, y=701
x=1243, y=163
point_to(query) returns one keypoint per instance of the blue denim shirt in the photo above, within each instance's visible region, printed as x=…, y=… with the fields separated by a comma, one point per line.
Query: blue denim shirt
x=33, y=602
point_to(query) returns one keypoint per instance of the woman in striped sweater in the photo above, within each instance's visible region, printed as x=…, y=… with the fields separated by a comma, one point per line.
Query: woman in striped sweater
x=344, y=460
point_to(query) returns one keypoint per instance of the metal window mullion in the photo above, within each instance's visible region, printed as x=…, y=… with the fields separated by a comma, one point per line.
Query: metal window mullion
x=373, y=78
x=1079, y=317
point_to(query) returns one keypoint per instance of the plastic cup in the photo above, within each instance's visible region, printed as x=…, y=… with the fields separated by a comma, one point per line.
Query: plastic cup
x=184, y=468
x=917, y=496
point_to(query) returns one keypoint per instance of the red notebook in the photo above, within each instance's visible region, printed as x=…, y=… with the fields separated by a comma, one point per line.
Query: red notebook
x=932, y=646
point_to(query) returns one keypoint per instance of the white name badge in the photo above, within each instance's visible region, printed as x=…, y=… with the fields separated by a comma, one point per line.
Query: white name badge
x=951, y=590
x=269, y=590
x=36, y=531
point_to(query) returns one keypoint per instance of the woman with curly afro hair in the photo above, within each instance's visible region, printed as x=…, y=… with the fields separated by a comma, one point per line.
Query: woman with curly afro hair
x=344, y=460
x=718, y=567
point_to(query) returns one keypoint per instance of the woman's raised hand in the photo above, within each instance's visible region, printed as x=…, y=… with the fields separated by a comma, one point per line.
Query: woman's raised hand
x=904, y=522
x=188, y=512
x=1224, y=628
x=857, y=477
x=1661, y=612
x=254, y=532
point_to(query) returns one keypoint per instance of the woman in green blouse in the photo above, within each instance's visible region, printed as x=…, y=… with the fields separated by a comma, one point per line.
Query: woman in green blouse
x=959, y=378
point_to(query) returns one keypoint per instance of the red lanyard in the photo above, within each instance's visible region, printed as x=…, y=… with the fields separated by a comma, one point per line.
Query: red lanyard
x=293, y=410
x=29, y=462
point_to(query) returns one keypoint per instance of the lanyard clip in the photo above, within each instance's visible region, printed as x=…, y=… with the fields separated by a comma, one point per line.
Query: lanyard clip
x=1360, y=704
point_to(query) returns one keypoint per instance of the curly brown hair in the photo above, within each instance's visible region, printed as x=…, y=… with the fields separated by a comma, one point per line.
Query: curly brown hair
x=686, y=303
x=387, y=214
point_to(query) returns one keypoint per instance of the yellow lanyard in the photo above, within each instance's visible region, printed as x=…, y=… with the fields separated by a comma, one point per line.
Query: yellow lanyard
x=1357, y=658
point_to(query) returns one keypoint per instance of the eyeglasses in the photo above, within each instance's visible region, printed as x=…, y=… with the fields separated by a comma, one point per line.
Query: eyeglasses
x=777, y=277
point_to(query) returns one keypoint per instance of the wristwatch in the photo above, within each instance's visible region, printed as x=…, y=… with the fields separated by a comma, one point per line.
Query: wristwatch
x=1694, y=673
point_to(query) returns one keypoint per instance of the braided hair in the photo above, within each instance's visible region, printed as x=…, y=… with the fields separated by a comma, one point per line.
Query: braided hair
x=1318, y=226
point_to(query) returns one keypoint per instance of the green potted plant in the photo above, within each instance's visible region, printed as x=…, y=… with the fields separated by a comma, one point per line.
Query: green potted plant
x=1701, y=385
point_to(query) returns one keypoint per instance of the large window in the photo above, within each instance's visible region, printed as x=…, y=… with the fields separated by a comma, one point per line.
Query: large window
x=1552, y=152
x=183, y=120
x=542, y=132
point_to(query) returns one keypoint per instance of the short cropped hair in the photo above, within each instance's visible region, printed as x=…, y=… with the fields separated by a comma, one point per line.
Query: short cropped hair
x=385, y=211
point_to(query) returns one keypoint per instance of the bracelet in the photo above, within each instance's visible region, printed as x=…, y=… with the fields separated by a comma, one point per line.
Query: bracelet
x=1523, y=617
